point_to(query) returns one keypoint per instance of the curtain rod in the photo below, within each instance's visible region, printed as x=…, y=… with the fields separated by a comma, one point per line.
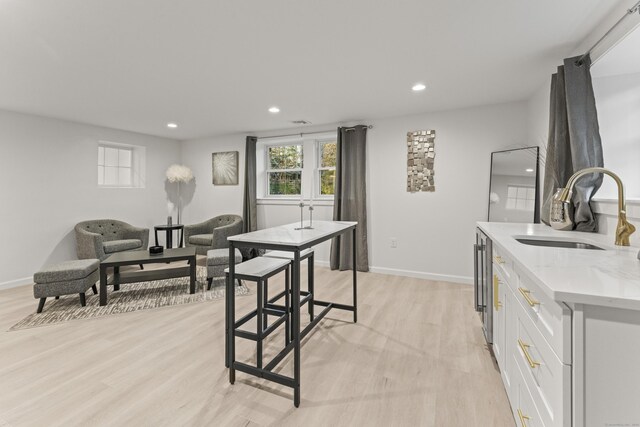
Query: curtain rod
x=634, y=9
x=310, y=133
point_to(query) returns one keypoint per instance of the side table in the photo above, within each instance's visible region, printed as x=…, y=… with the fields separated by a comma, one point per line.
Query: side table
x=169, y=233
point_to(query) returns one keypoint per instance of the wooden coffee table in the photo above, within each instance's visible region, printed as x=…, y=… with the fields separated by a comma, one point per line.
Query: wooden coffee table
x=121, y=259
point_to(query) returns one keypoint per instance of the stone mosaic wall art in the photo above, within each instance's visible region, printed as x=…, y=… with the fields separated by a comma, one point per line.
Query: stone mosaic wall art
x=420, y=156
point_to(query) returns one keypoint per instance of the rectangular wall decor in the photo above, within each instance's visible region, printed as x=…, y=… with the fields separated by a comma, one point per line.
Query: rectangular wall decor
x=420, y=156
x=225, y=168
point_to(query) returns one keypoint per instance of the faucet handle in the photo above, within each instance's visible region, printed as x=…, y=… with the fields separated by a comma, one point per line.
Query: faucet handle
x=624, y=229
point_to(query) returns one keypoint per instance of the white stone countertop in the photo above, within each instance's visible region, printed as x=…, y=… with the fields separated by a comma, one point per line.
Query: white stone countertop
x=609, y=277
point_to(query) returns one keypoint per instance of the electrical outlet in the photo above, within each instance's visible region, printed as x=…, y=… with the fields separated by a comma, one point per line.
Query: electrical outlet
x=394, y=242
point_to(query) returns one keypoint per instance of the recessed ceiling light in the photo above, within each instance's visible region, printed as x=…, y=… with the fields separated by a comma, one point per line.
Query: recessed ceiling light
x=172, y=125
x=529, y=170
x=274, y=110
x=418, y=87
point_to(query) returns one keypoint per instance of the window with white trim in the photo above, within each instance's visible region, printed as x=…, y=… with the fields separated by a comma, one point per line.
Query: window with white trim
x=120, y=165
x=520, y=197
x=326, y=168
x=284, y=170
x=294, y=168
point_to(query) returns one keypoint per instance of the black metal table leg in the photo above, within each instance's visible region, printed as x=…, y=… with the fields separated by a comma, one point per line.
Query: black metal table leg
x=116, y=278
x=261, y=284
x=103, y=285
x=231, y=305
x=265, y=301
x=355, y=278
x=155, y=232
x=192, y=271
x=169, y=242
x=227, y=290
x=310, y=272
x=296, y=327
x=287, y=307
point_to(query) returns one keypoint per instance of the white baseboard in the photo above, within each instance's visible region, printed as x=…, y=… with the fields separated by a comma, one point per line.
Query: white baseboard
x=380, y=270
x=15, y=283
x=408, y=273
x=423, y=275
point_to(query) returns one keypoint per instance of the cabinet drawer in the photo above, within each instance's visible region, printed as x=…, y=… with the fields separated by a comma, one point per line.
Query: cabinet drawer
x=546, y=377
x=552, y=319
x=524, y=409
x=502, y=263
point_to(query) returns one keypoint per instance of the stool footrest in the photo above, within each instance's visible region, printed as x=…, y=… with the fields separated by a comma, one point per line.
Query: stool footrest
x=334, y=305
x=274, y=362
x=264, y=373
x=246, y=335
x=272, y=327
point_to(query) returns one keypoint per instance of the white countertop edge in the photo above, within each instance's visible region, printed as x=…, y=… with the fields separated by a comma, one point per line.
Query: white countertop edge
x=564, y=296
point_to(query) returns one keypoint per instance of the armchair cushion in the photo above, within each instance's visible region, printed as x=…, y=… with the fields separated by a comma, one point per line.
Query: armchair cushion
x=121, y=245
x=201, y=239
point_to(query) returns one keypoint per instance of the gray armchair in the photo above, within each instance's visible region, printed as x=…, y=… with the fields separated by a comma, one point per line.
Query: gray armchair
x=212, y=233
x=101, y=237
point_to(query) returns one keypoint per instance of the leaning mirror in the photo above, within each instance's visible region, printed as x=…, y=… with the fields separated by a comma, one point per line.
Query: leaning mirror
x=513, y=189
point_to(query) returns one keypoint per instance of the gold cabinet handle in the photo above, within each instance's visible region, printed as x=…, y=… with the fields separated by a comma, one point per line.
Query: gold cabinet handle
x=498, y=259
x=523, y=418
x=526, y=293
x=525, y=349
x=496, y=288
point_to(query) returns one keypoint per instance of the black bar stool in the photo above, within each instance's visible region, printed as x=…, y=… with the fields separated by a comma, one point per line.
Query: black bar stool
x=259, y=270
x=305, y=254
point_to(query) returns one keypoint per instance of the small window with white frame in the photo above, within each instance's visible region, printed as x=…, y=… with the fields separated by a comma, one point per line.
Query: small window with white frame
x=120, y=165
x=326, y=168
x=520, y=197
x=284, y=170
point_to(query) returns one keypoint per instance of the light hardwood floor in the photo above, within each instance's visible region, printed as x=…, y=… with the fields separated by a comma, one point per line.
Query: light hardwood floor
x=416, y=357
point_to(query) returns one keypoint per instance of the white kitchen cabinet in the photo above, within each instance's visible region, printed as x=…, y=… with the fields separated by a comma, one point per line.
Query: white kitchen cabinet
x=566, y=329
x=499, y=318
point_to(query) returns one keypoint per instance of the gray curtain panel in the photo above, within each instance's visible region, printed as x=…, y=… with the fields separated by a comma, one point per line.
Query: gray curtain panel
x=249, y=205
x=574, y=141
x=350, y=199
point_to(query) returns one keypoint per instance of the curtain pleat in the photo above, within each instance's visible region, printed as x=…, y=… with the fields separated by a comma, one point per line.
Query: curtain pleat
x=584, y=136
x=350, y=198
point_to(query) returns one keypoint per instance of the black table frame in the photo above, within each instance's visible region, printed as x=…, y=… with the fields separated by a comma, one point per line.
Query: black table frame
x=297, y=335
x=168, y=229
x=121, y=259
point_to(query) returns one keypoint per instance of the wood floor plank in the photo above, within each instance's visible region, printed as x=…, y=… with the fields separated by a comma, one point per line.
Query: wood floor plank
x=416, y=357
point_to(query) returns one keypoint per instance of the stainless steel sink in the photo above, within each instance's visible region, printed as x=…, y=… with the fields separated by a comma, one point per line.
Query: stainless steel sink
x=559, y=244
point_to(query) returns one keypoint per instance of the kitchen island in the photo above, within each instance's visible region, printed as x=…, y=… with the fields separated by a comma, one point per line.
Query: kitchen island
x=566, y=329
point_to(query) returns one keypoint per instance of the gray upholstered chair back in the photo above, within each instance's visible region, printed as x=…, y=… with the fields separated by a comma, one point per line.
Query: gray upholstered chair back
x=109, y=229
x=233, y=224
x=218, y=228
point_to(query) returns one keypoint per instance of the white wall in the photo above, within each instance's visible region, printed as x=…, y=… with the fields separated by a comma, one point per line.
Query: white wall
x=209, y=200
x=618, y=103
x=48, y=175
x=434, y=231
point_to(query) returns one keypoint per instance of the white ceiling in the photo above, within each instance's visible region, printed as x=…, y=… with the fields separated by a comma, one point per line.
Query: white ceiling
x=215, y=67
